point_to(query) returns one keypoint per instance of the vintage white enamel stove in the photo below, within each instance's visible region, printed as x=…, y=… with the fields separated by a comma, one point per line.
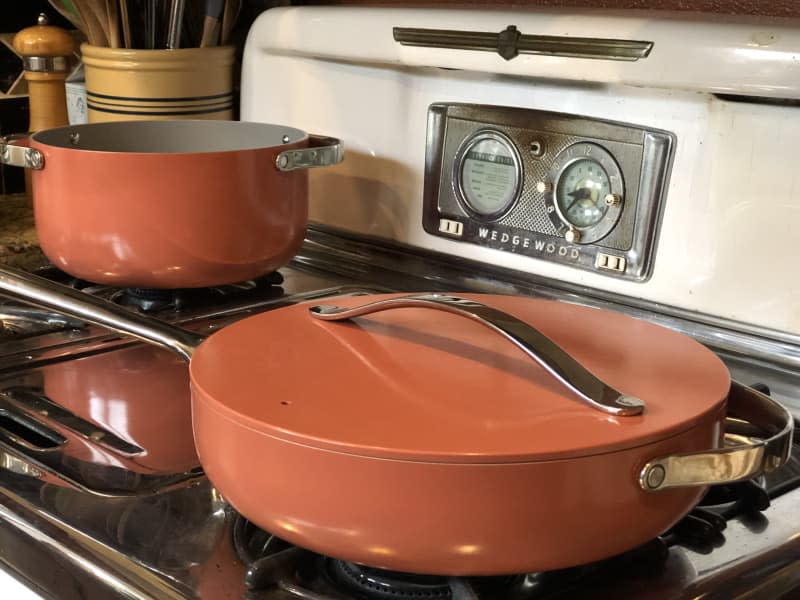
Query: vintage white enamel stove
x=639, y=162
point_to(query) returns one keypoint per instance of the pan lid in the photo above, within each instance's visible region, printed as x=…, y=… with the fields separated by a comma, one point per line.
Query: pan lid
x=421, y=385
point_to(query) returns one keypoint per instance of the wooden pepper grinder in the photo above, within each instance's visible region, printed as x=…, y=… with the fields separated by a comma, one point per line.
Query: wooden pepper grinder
x=45, y=52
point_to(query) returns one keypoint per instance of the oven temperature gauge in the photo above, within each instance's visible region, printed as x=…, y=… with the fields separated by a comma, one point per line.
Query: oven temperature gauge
x=583, y=191
x=487, y=177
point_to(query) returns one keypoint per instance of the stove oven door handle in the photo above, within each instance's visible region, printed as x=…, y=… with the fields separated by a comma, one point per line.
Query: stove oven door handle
x=531, y=341
x=758, y=440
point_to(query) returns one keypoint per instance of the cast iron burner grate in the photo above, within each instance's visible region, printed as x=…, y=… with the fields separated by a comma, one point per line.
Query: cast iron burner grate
x=157, y=300
x=273, y=563
x=154, y=300
x=389, y=585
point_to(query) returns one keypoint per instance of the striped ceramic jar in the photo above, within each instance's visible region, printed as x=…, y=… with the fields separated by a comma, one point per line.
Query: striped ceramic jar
x=187, y=83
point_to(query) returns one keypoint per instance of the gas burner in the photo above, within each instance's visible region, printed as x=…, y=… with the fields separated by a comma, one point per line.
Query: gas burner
x=273, y=563
x=22, y=321
x=148, y=300
x=745, y=497
x=388, y=585
x=156, y=300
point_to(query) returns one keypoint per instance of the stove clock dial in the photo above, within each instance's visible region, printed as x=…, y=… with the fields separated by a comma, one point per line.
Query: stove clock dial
x=487, y=175
x=583, y=192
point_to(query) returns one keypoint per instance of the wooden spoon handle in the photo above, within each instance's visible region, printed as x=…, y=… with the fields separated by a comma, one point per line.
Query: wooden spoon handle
x=229, y=16
x=94, y=32
x=210, y=27
x=97, y=8
x=73, y=18
x=126, y=24
x=113, y=23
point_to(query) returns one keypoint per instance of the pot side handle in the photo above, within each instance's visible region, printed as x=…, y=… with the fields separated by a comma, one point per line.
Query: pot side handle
x=531, y=341
x=758, y=439
x=321, y=152
x=19, y=156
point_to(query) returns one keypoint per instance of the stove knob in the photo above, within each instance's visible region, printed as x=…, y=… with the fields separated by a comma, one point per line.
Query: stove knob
x=613, y=199
x=544, y=187
x=573, y=236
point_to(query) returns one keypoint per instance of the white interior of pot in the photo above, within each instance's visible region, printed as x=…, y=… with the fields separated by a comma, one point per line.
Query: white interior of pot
x=170, y=136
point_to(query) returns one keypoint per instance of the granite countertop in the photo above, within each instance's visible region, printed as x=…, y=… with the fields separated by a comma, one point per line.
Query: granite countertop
x=19, y=246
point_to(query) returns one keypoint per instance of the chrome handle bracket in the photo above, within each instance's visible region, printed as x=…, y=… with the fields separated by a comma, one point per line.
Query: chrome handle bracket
x=531, y=341
x=322, y=152
x=19, y=156
x=743, y=456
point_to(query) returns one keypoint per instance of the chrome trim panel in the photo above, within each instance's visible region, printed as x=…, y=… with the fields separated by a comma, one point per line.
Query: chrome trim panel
x=409, y=269
x=637, y=160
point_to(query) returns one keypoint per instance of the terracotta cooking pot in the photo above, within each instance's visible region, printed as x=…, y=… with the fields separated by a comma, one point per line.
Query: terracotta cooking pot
x=506, y=435
x=171, y=204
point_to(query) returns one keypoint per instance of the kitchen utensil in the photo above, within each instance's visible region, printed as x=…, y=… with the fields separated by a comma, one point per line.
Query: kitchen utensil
x=67, y=10
x=92, y=26
x=112, y=15
x=127, y=40
x=229, y=16
x=171, y=204
x=150, y=24
x=175, y=24
x=194, y=14
x=98, y=8
x=211, y=23
x=433, y=445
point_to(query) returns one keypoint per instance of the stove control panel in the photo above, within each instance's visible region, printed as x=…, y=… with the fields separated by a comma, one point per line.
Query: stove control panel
x=551, y=186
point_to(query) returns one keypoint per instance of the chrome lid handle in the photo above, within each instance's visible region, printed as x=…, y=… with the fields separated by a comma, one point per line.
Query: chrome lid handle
x=531, y=341
x=758, y=439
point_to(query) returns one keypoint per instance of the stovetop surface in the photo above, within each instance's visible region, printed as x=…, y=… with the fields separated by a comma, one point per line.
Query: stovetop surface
x=126, y=514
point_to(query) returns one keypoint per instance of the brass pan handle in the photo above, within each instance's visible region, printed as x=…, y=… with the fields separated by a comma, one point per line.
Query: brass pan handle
x=531, y=341
x=744, y=456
